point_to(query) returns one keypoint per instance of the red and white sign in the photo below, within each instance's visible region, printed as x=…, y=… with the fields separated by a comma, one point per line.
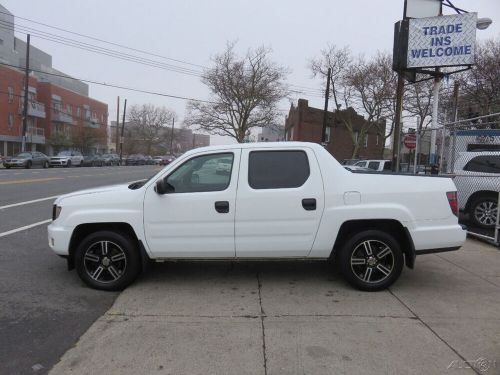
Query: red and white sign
x=410, y=141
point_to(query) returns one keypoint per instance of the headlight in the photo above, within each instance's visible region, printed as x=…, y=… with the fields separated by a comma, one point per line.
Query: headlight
x=56, y=211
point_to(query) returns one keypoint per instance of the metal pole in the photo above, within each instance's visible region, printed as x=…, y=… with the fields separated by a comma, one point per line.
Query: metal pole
x=455, y=118
x=443, y=135
x=172, y=137
x=498, y=220
x=325, y=113
x=123, y=127
x=117, y=135
x=26, y=87
x=417, y=145
x=396, y=144
x=434, y=124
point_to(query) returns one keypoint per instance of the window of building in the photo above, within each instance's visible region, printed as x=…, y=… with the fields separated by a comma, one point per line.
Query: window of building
x=10, y=120
x=78, y=112
x=277, y=169
x=376, y=142
x=484, y=164
x=327, y=134
x=69, y=109
x=202, y=174
x=10, y=94
x=366, y=140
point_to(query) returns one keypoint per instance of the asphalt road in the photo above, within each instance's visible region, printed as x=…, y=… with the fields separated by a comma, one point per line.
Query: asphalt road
x=44, y=308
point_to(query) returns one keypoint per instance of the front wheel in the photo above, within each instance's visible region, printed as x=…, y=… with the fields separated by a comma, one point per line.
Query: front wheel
x=483, y=211
x=46, y=164
x=107, y=260
x=371, y=260
x=28, y=165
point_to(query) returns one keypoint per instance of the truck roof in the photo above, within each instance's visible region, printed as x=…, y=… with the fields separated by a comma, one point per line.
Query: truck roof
x=257, y=145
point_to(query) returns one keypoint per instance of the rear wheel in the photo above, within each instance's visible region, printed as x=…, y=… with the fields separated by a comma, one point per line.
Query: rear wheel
x=107, y=260
x=483, y=211
x=28, y=164
x=371, y=260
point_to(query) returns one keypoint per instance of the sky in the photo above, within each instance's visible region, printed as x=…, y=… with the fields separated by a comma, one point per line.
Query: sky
x=194, y=31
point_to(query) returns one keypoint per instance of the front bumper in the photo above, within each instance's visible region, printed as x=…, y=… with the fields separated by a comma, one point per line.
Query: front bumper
x=59, y=238
x=58, y=162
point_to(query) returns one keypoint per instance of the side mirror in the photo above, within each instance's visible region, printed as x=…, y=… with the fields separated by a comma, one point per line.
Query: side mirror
x=163, y=187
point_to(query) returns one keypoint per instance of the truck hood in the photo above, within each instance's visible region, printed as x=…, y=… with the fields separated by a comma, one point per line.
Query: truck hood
x=103, y=189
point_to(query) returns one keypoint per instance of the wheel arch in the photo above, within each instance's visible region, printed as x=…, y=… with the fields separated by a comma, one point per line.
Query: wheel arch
x=391, y=226
x=476, y=195
x=83, y=230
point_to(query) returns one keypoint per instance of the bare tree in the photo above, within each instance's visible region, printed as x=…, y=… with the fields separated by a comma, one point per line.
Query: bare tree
x=148, y=127
x=244, y=94
x=85, y=138
x=339, y=61
x=418, y=102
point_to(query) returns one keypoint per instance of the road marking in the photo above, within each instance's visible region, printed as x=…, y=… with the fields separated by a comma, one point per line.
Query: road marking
x=10, y=182
x=20, y=229
x=28, y=202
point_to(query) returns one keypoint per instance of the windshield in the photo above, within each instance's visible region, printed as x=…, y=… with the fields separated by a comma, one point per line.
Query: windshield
x=64, y=153
x=23, y=155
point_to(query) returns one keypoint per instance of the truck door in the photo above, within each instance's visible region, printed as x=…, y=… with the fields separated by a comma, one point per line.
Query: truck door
x=279, y=202
x=196, y=217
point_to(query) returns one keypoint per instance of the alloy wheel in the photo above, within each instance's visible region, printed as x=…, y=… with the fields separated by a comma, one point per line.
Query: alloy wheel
x=372, y=261
x=105, y=261
x=486, y=213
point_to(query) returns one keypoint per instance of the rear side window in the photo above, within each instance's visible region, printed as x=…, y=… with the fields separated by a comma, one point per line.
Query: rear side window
x=484, y=164
x=277, y=169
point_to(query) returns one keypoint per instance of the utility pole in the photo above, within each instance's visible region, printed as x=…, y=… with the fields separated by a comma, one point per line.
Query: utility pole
x=172, y=137
x=123, y=127
x=325, y=113
x=435, y=107
x=117, y=135
x=396, y=144
x=26, y=87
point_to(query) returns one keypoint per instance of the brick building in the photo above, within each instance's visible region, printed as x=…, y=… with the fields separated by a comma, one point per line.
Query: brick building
x=305, y=123
x=60, y=112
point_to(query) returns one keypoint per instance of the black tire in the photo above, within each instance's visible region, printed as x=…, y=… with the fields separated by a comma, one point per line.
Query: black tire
x=69, y=164
x=28, y=164
x=483, y=211
x=382, y=257
x=7, y=167
x=45, y=164
x=112, y=275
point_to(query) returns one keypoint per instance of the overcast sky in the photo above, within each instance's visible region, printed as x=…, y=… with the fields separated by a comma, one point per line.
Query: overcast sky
x=193, y=31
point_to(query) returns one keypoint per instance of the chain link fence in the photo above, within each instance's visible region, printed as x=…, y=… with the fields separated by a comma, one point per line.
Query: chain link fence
x=469, y=152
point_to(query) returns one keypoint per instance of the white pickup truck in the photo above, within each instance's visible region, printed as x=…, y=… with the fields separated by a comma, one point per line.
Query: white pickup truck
x=289, y=200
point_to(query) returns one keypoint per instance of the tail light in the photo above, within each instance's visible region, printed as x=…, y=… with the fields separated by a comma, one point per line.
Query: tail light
x=453, y=201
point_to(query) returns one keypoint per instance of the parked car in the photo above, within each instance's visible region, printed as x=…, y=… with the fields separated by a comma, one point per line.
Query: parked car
x=66, y=159
x=94, y=160
x=349, y=161
x=149, y=160
x=289, y=200
x=158, y=160
x=375, y=165
x=27, y=160
x=477, y=177
x=111, y=159
x=354, y=168
x=135, y=159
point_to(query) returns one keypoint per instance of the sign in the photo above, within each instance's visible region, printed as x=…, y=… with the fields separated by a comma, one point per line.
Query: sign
x=423, y=8
x=410, y=141
x=442, y=41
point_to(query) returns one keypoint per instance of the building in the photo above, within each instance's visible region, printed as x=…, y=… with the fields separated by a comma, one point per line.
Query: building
x=305, y=123
x=272, y=134
x=60, y=112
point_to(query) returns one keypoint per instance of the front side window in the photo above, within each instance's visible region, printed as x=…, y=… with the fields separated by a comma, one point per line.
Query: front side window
x=374, y=165
x=277, y=169
x=202, y=174
x=484, y=164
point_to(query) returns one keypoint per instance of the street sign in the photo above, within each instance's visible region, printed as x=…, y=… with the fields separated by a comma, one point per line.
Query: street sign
x=410, y=141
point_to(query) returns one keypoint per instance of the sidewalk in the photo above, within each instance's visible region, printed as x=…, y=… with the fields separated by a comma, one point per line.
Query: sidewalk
x=296, y=318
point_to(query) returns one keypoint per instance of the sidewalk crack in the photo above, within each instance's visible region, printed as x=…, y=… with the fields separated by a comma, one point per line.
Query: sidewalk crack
x=262, y=316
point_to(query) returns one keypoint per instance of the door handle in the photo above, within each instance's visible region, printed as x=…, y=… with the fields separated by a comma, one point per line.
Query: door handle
x=309, y=204
x=222, y=207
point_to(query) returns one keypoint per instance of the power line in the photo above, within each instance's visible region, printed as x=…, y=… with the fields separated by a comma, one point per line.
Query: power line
x=103, y=51
x=104, y=41
x=112, y=85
